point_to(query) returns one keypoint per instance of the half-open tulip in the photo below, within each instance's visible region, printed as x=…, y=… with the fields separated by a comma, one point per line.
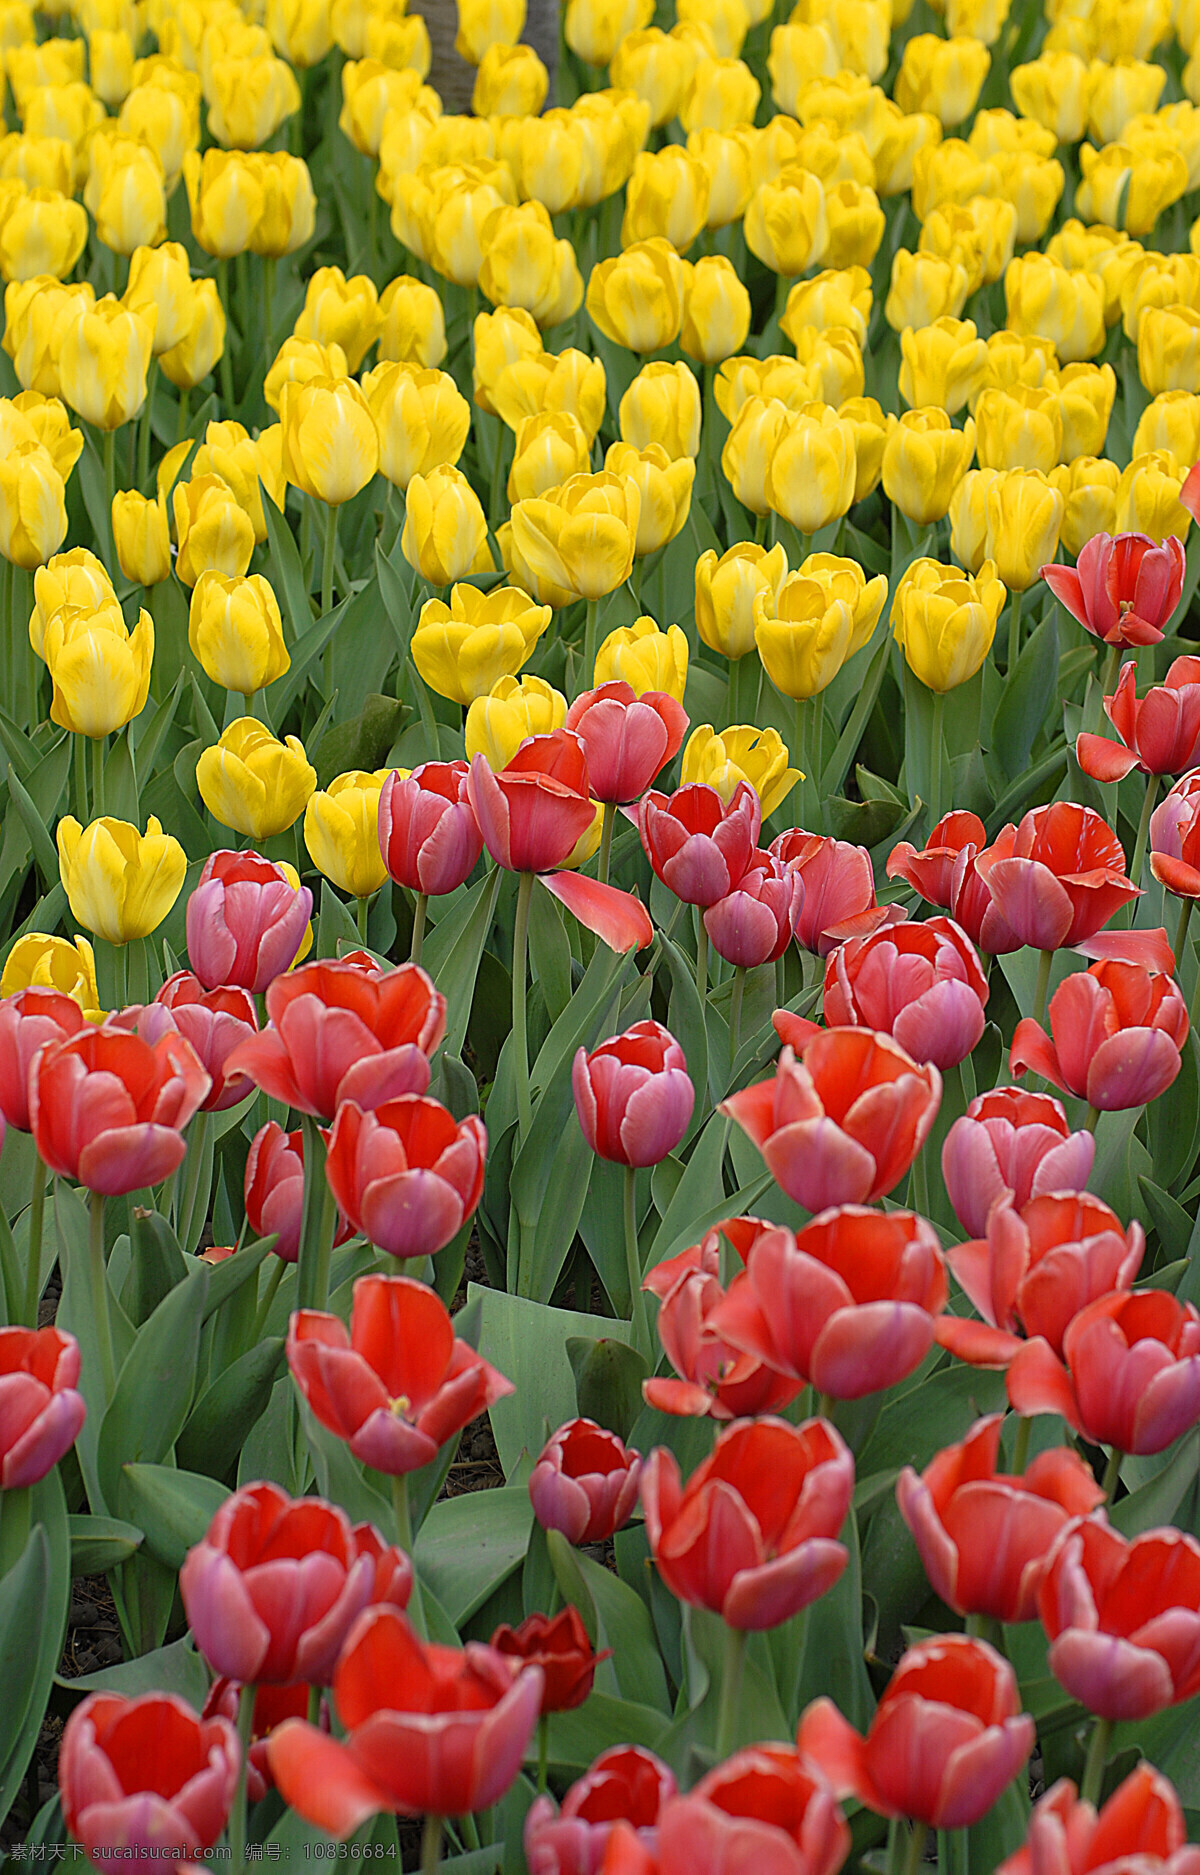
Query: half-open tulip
x=559, y=1645
x=627, y=738
x=54, y=963
x=839, y=889
x=253, y=782
x=406, y=1174
x=246, y=921
x=585, y=1482
x=107, y=1109
x=214, y=1022
x=462, y=649
x=1123, y=1618
x=698, y=845
x=755, y=922
x=120, y=883
x=633, y=1095
x=1011, y=1141
x=28, y=1019
x=625, y=1784
x=145, y=1775
x=1063, y=879
x=1129, y=1376
x=1143, y=1820
x=428, y=833
x=922, y=984
x=1160, y=732
x=41, y=1408
x=1118, y=1032
x=1123, y=589
x=945, y=873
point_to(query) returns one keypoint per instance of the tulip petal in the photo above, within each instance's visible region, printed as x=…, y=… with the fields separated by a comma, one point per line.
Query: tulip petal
x=864, y=1349
x=1150, y=949
x=774, y=1591
x=1111, y=1676
x=1103, y=759
x=320, y=1779
x=1039, y=1383
x=619, y=918
x=832, y=1743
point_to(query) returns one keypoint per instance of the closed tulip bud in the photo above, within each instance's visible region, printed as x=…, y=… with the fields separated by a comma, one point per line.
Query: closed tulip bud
x=76, y=578
x=1024, y=517
x=341, y=832
x=1169, y=280
x=300, y=361
x=944, y=76
x=254, y=783
x=236, y=633
x=39, y=162
x=402, y=42
x=120, y=884
x=740, y=753
x=785, y=224
x=968, y=518
x=855, y=224
x=189, y=362
x=581, y=537
x=212, y=530
x=1053, y=90
x=748, y=456
x=1048, y=301
x=330, y=439
x=126, y=195
x=595, y=28
x=1168, y=349
x=1088, y=487
x=798, y=50
x=413, y=329
x=110, y=63
x=41, y=232
x=944, y=621
x=160, y=277
x=511, y=82
x=30, y=417
x=1019, y=429
x=667, y=195
x=1171, y=422
x=1148, y=498
x=726, y=22
x=289, y=205
x=1118, y=92
x=951, y=173
x=501, y=340
x=165, y=116
x=665, y=488
x=726, y=591
x=549, y=449
x=899, y=138
x=568, y=381
x=924, y=288
x=34, y=310
x=524, y=265
x=721, y=94
x=636, y=300
x=871, y=431
x=226, y=197
x=300, y=30
x=834, y=362
x=726, y=155
x=33, y=515
x=645, y=658
x=803, y=638
x=462, y=649
x=656, y=66
x=513, y=709
x=421, y=417
x=980, y=232
x=811, y=474
x=142, y=537
x=1127, y=187
x=944, y=363
x=924, y=458
x=247, y=465
x=1034, y=186
x=845, y=580
x=445, y=529
x=837, y=297
x=1086, y=394
x=338, y=311
x=104, y=360
x=662, y=405
x=100, y=671
x=248, y=100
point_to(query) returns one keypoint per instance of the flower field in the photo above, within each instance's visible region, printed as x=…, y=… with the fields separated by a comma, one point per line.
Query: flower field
x=600, y=720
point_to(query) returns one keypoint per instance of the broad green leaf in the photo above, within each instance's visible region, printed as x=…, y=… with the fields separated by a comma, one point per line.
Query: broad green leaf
x=154, y=1388
x=33, y=1625
x=622, y=1622
x=218, y=1424
x=176, y=1668
x=100, y=1543
x=173, y=1508
x=469, y=1544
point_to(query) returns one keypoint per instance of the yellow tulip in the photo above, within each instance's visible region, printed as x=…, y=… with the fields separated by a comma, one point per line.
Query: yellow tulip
x=595, y=28
x=580, y=537
x=104, y=360
x=548, y=158
x=803, y=636
x=120, y=884
x=944, y=76
x=1088, y=487
x=330, y=440
x=665, y=487
x=227, y=197
x=160, y=277
x=1024, y=519
x=871, y=431
x=413, y=329
x=248, y=100
x=739, y=753
x=341, y=831
x=833, y=361
x=785, y=380
x=38, y=162
x=811, y=474
x=236, y=632
x=511, y=82
x=502, y=339
x=1053, y=90
x=999, y=133
x=728, y=22
x=33, y=515
x=944, y=621
x=860, y=30
x=1158, y=280
x=167, y=118
x=1046, y=300
x=726, y=157
x=845, y=580
x=374, y=93
x=445, y=528
x=923, y=459
x=76, y=578
x=1171, y=422
x=948, y=173
x=750, y=447
x=786, y=225
x=662, y=405
x=716, y=312
x=636, y=299
x=550, y=448
x=944, y=363
x=855, y=224
x=189, y=362
x=525, y=265
x=1034, y=186
x=463, y=649
x=1086, y=394
x=212, y=529
x=977, y=19
x=41, y=232
x=645, y=658
x=513, y=709
x=1128, y=187
x=302, y=361
x=968, y=518
x=1168, y=349
x=837, y=297
x=924, y=288
x=421, y=417
x=1019, y=429
x=1148, y=498
x=30, y=417
x=110, y=65
x=142, y=536
x=67, y=965
x=726, y=590
x=981, y=233
x=901, y=136
x=246, y=465
x=1015, y=358
x=1119, y=91
x=656, y=66
x=668, y=196
x=126, y=194
x=254, y=783
x=100, y=671
x=401, y=42
x=300, y=30
x=460, y=208
x=338, y=311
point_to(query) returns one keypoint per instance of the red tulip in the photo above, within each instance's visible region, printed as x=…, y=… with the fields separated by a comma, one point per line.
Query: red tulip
x=585, y=1482
x=1123, y=588
x=27, y=1020
x=559, y=1645
x=107, y=1109
x=532, y=813
x=246, y=921
x=272, y=1705
x=398, y=1384
x=633, y=1095
x=627, y=739
x=407, y=1175
x=716, y=1379
x=843, y=1118
x=947, y=1737
x=1141, y=1827
x=930, y=871
x=1123, y=1618
x=755, y=923
x=983, y=1536
x=625, y=1784
x=1160, y=734
x=1064, y=879
x=214, y=1022
x=428, y=1729
x=345, y=1031
x=922, y=984
x=1129, y=1376
x=768, y=1808
x=41, y=1409
x=146, y=1776
x=428, y=832
x=839, y=889
x=274, y=1190
x=1175, y=838
x=698, y=846
x=1034, y=1271
x=947, y=873
x=1118, y=1031
x=753, y=1534
x=393, y=1570
x=849, y=1303
x=271, y=1591
x=1014, y=1143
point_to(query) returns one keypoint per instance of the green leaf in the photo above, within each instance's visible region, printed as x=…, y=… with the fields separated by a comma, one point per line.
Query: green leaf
x=621, y=1621
x=225, y=1279
x=608, y=1381
x=549, y=952
x=98, y=1544
x=287, y=577
x=1157, y=1501
x=44, y=850
x=686, y=1021
x=468, y=1545
x=173, y=1508
x=454, y=949
x=1029, y=694
x=176, y=1668
x=361, y=743
x=36, y=1594
x=154, y=1388
x=156, y=1264
x=220, y=1422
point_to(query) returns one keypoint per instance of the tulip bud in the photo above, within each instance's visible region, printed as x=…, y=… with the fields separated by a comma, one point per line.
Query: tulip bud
x=212, y=530
x=1148, y=498
x=1053, y=90
x=786, y=224
x=1089, y=490
x=236, y=633
x=726, y=590
x=338, y=311
x=662, y=406
x=142, y=537
x=585, y=1482
x=803, y=638
x=330, y=440
x=100, y=671
x=41, y=232
x=1049, y=301
x=944, y=363
x=923, y=460
x=811, y=474
x=189, y=362
x=1086, y=394
x=248, y=100
x=748, y=456
x=739, y=753
x=445, y=529
x=1170, y=422
x=341, y=832
x=726, y=156
x=636, y=299
x=665, y=487
x=656, y=66
x=924, y=288
x=836, y=297
x=1019, y=429
x=126, y=194
x=871, y=431
x=105, y=357
x=253, y=783
x=549, y=449
x=120, y=884
x=413, y=329
x=524, y=265
x=1168, y=349
x=581, y=537
x=511, y=82
x=421, y=417
x=33, y=515
x=645, y=658
x=667, y=196
x=944, y=76
x=160, y=277
x=944, y=621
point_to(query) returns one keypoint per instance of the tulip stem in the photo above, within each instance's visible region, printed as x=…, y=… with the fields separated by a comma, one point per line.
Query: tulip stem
x=543, y=1731
x=1143, y=832
x=731, y=1690
x=268, y=1296
x=1097, y=1758
x=319, y=1222
x=1043, y=985
x=1093, y=1114
x=908, y=1848
x=361, y=907
x=98, y=1277
x=98, y=777
x=431, y=1845
x=735, y=1012
x=701, y=958
x=331, y=520
x=1014, y=631
x=1112, y=670
x=520, y=1042
x=227, y=398
x=633, y=1269
x=145, y=427
x=1021, y=1445
x=402, y=1520
x=237, y=1812
x=418, y=935
x=186, y=1207
x=1112, y=1472
x=589, y=643
x=826, y=1406
x=606, y=835
x=33, y=1268
x=110, y=486
x=1181, y=931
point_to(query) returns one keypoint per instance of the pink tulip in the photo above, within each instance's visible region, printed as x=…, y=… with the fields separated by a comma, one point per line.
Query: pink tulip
x=407, y=1175
x=108, y=1109
x=923, y=984
x=625, y=1784
x=1118, y=1033
x=585, y=1482
x=633, y=1095
x=214, y=1022
x=1064, y=879
x=1123, y=1618
x=428, y=832
x=947, y=873
x=245, y=921
x=1129, y=1376
x=145, y=1777
x=1160, y=734
x=628, y=739
x=698, y=846
x=1142, y=1827
x=27, y=1020
x=839, y=889
x=41, y=1408
x=1123, y=588
x=1011, y=1142
x=755, y=923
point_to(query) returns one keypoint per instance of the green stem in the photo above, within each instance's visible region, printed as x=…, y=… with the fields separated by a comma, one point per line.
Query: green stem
x=1014, y=631
x=185, y=1211
x=731, y=1690
x=314, y=1705
x=98, y=748
x=1021, y=1445
x=227, y=398
x=431, y=1845
x=331, y=521
x=1043, y=984
x=1097, y=1758
x=1143, y=832
x=1093, y=1114
x=735, y=1012
x=633, y=1269
x=33, y=1267
x=79, y=763
x=361, y=908
x=589, y=644
x=937, y=754
x=495, y=503
x=1181, y=931
x=98, y=1277
x=418, y=937
x=701, y=958
x=110, y=477
x=185, y=400
x=1112, y=670
x=606, y=835
x=543, y=1737
x=908, y=1849
x=268, y=293
x=268, y=1297
x=145, y=427
x=402, y=1522
x=320, y=1218
x=826, y=1406
x=1112, y=1472
x=237, y=1814
x=520, y=1041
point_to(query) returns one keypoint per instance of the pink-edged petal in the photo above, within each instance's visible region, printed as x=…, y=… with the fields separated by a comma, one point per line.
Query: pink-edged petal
x=832, y=1743
x=977, y=1343
x=774, y=1591
x=1103, y=759
x=864, y=1349
x=1032, y=1050
x=618, y=918
x=1109, y=1675
x=1151, y=949
x=1038, y=1382
x=319, y=1778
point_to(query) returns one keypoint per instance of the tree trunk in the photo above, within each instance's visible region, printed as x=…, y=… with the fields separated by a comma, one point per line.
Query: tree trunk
x=451, y=77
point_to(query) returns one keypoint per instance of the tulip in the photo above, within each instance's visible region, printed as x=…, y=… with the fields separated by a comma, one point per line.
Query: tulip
x=664, y=486
x=1175, y=840
x=104, y=360
x=839, y=889
x=300, y=361
x=1118, y=1033
x=53, y=963
x=1129, y=1376
x=246, y=921
x=584, y=1483
x=248, y=100
x=413, y=329
x=341, y=832
x=236, y=632
x=445, y=531
x=120, y=884
x=945, y=621
x=650, y=661
x=449, y=1740
x=142, y=536
x=214, y=1021
x=726, y=589
x=1050, y=301
x=931, y=872
x=421, y=417
x=272, y=1705
x=1024, y=517
x=1170, y=421
x=28, y=1019
x=76, y=578
x=1148, y=497
x=511, y=82
x=824, y=1125
x=1019, y=428
x=405, y=1174
x=213, y=530
x=581, y=537
x=1011, y=1142
x=755, y=923
x=427, y=829
x=1118, y=1667
x=1122, y=590
x=561, y=1648
x=1063, y=879
x=145, y=1775
x=1160, y=734
x=524, y=265
x=513, y=710
x=767, y=1801
x=398, y=1384
x=343, y=312
x=944, y=76
x=924, y=288
x=984, y=1537
x=947, y=1737
x=699, y=846
x=1053, y=90
x=534, y=811
x=200, y=349
x=943, y=364
x=1035, y=1270
x=345, y=1031
x=722, y=93
x=126, y=194
x=785, y=223
x=626, y=739
x=667, y=196
x=808, y=1305
x=633, y=1095
x=778, y=1550
x=43, y=1409
x=636, y=300
x=716, y=314
x=740, y=753
x=273, y=1190
x=107, y=1110
x=330, y=439
x=923, y=459
x=1143, y=1818
x=1089, y=489
x=32, y=511
x=748, y=456
x=100, y=671
x=920, y=983
x=254, y=783
x=463, y=649
x=803, y=638
x=1086, y=393
x=625, y=1784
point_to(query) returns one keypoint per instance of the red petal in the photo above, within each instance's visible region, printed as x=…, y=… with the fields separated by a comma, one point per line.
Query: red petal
x=619, y=918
